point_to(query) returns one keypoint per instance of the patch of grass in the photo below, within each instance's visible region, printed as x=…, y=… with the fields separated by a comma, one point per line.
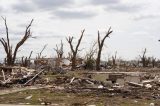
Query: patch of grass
x=70, y=99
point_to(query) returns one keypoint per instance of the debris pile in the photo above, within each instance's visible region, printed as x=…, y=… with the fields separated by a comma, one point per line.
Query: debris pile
x=15, y=75
x=125, y=84
x=146, y=89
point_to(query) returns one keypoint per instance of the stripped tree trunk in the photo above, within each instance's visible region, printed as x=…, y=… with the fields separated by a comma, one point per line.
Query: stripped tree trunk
x=100, y=46
x=74, y=51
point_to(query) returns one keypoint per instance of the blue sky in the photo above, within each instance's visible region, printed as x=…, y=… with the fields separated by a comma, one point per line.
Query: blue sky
x=135, y=25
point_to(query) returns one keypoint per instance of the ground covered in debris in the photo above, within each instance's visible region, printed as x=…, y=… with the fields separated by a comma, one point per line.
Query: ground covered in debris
x=83, y=88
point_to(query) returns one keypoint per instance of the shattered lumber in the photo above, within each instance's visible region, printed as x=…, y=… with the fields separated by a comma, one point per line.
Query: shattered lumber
x=4, y=78
x=135, y=84
x=34, y=77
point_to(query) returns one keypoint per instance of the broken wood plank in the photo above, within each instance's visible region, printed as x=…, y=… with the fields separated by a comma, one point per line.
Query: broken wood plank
x=135, y=84
x=34, y=77
x=4, y=78
x=72, y=79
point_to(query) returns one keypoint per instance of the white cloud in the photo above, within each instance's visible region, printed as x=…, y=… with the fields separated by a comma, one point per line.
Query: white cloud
x=135, y=24
x=73, y=14
x=146, y=16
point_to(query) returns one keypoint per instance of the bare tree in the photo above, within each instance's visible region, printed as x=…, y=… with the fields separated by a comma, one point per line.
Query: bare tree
x=74, y=51
x=69, y=55
x=59, y=51
x=11, y=55
x=40, y=53
x=100, y=46
x=144, y=58
x=26, y=61
x=114, y=59
x=153, y=61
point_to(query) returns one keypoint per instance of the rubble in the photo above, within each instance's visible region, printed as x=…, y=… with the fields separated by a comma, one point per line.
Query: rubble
x=148, y=86
x=15, y=75
x=125, y=84
x=142, y=89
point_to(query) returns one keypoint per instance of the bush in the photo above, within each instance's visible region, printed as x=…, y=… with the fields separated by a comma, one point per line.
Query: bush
x=89, y=63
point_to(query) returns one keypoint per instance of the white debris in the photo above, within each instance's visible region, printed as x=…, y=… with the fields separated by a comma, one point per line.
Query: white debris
x=135, y=101
x=151, y=104
x=28, y=97
x=135, y=84
x=100, y=86
x=24, y=76
x=28, y=103
x=72, y=79
x=147, y=81
x=42, y=103
x=90, y=82
x=148, y=86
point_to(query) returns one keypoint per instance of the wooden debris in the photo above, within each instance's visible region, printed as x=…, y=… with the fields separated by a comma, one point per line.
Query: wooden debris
x=135, y=84
x=33, y=77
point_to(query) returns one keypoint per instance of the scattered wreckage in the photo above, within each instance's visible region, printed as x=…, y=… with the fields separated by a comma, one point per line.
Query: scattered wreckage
x=142, y=87
x=15, y=75
x=126, y=84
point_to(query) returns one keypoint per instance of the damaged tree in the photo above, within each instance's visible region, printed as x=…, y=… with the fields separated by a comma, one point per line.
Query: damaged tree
x=74, y=51
x=11, y=55
x=100, y=46
x=59, y=51
x=114, y=60
x=26, y=61
x=144, y=58
x=153, y=61
x=40, y=54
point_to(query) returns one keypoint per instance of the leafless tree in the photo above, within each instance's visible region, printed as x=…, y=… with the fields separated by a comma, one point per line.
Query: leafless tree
x=69, y=55
x=26, y=60
x=153, y=61
x=74, y=51
x=144, y=58
x=40, y=53
x=100, y=46
x=114, y=59
x=11, y=55
x=59, y=50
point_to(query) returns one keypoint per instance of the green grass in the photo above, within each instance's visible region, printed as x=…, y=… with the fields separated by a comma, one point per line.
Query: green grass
x=71, y=99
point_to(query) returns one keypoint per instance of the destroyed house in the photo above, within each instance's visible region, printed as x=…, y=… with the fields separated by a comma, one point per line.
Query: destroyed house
x=53, y=62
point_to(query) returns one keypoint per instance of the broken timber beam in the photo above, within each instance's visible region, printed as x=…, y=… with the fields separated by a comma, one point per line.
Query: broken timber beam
x=34, y=77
